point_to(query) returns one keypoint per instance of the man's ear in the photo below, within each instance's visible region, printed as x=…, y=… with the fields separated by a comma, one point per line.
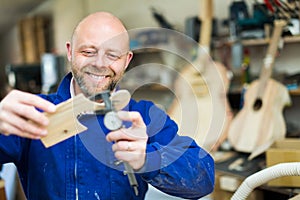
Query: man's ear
x=69, y=50
x=128, y=59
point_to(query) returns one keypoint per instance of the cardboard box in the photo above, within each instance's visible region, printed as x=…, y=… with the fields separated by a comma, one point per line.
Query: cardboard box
x=225, y=193
x=283, y=151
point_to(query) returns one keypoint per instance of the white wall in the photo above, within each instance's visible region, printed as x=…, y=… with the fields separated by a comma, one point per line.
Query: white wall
x=134, y=13
x=288, y=61
x=66, y=14
x=11, y=51
x=137, y=13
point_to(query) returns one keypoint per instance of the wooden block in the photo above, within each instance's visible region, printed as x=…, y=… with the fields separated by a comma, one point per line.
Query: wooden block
x=63, y=123
x=40, y=35
x=28, y=42
x=2, y=190
x=33, y=38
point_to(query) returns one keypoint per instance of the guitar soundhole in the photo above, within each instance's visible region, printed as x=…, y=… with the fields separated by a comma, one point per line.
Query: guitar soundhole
x=257, y=104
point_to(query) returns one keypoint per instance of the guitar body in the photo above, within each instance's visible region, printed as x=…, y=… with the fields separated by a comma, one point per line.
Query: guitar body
x=201, y=92
x=252, y=127
x=201, y=99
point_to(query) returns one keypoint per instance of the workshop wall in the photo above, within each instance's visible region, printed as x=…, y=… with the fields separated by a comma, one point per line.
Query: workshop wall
x=134, y=13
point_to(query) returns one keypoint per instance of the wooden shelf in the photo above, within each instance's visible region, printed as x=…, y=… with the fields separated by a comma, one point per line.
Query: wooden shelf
x=265, y=41
x=238, y=90
x=295, y=92
x=257, y=42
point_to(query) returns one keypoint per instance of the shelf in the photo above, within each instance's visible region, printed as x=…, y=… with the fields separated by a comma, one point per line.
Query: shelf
x=295, y=92
x=238, y=90
x=257, y=42
x=264, y=41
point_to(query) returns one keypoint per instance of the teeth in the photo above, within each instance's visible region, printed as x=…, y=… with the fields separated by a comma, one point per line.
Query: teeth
x=97, y=77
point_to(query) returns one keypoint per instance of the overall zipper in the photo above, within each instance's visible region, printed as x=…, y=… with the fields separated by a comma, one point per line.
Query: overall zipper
x=75, y=166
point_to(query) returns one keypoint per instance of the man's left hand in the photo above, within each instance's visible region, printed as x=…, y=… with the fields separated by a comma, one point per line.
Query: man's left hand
x=130, y=143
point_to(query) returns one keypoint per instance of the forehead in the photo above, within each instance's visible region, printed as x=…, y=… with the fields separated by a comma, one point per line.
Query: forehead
x=101, y=35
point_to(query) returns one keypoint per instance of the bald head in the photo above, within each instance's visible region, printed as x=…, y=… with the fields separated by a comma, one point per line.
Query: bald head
x=103, y=24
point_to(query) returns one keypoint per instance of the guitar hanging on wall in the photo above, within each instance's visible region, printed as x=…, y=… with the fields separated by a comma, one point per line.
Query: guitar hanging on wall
x=260, y=122
x=202, y=110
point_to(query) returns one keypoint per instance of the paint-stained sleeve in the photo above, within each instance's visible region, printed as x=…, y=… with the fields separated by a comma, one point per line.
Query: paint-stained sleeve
x=175, y=164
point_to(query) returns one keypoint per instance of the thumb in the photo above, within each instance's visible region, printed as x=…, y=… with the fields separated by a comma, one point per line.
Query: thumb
x=133, y=116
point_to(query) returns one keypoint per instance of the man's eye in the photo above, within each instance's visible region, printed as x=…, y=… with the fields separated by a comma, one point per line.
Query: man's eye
x=88, y=53
x=112, y=56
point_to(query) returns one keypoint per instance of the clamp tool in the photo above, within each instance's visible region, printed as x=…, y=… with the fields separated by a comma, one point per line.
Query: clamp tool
x=60, y=130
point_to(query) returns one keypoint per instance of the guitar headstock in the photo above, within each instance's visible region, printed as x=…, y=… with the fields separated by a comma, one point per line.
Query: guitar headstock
x=274, y=43
x=269, y=60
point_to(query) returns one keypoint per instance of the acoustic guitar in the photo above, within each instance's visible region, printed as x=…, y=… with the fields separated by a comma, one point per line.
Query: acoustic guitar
x=201, y=108
x=260, y=122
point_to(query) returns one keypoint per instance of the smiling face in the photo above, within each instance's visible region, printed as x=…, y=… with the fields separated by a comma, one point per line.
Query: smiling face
x=99, y=53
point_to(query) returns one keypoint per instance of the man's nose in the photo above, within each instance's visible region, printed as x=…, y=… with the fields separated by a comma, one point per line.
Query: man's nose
x=101, y=60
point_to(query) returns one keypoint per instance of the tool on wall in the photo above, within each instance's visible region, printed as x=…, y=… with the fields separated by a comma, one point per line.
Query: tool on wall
x=282, y=9
x=161, y=19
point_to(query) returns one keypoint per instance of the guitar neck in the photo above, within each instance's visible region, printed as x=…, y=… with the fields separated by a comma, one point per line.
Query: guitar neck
x=206, y=16
x=269, y=59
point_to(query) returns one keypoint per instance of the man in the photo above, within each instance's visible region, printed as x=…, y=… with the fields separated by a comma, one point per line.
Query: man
x=82, y=167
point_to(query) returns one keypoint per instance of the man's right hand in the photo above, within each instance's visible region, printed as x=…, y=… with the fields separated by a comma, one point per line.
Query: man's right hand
x=19, y=115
